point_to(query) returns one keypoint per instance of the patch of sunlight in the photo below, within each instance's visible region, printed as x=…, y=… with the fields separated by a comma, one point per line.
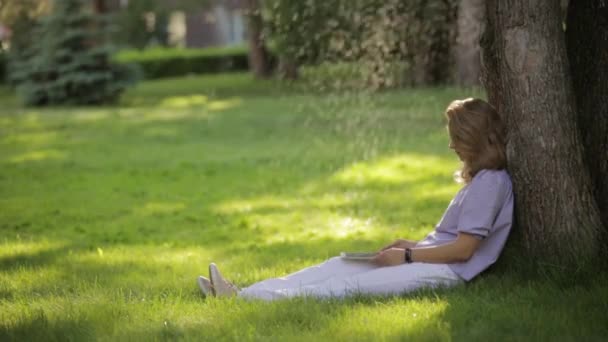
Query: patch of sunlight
x=177, y=256
x=184, y=101
x=38, y=155
x=343, y=227
x=39, y=138
x=166, y=115
x=19, y=247
x=394, y=170
x=151, y=208
x=268, y=203
x=431, y=191
x=219, y=105
x=144, y=255
x=162, y=114
x=335, y=227
x=24, y=280
x=89, y=116
x=393, y=320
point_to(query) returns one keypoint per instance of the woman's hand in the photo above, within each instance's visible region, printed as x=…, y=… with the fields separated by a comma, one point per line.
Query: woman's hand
x=400, y=243
x=390, y=257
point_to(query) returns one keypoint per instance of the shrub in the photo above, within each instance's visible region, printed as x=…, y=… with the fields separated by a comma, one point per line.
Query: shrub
x=68, y=62
x=2, y=67
x=394, y=42
x=171, y=62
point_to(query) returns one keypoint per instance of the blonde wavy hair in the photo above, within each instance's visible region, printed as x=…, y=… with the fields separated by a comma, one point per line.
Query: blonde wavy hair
x=478, y=134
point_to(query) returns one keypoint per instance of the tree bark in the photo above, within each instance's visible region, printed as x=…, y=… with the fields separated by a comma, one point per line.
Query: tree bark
x=526, y=74
x=99, y=6
x=288, y=68
x=258, y=55
x=470, y=20
x=587, y=43
x=443, y=38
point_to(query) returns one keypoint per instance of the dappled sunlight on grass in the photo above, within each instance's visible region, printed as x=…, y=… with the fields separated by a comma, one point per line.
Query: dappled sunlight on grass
x=399, y=319
x=109, y=214
x=39, y=155
x=270, y=203
x=19, y=248
x=394, y=170
x=152, y=208
x=31, y=139
x=220, y=105
x=199, y=101
x=184, y=101
x=164, y=115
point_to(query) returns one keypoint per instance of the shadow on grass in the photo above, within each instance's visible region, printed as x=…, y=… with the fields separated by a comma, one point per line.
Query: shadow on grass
x=38, y=327
x=39, y=258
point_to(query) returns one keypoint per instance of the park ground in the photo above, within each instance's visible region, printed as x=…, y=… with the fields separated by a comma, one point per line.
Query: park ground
x=108, y=215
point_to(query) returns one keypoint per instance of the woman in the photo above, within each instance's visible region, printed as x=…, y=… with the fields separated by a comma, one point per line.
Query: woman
x=467, y=240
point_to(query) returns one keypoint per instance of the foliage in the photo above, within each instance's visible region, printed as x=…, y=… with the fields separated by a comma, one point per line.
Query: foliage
x=12, y=11
x=396, y=42
x=109, y=215
x=2, y=66
x=133, y=29
x=21, y=16
x=66, y=60
x=170, y=62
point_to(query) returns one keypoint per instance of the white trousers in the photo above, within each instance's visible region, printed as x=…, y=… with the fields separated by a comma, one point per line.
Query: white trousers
x=338, y=278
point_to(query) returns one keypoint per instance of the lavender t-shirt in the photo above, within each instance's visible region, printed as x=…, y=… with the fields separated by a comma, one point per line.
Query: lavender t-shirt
x=484, y=208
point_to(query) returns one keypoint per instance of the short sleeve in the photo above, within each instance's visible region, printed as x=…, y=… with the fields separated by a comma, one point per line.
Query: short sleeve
x=481, y=203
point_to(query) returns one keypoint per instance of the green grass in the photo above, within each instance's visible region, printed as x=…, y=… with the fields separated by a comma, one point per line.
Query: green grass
x=108, y=215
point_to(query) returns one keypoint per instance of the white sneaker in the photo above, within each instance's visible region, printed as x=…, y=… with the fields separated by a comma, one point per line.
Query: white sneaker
x=221, y=286
x=205, y=285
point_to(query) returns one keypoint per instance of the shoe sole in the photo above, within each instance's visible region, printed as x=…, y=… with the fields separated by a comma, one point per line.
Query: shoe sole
x=206, y=290
x=211, y=279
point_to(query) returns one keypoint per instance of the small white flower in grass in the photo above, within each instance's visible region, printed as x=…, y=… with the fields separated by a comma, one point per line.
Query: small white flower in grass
x=100, y=251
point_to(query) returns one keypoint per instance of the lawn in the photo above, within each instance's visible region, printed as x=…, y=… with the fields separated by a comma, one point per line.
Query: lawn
x=108, y=215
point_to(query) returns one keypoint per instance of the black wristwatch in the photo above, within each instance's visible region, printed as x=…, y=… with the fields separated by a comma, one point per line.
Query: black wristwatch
x=408, y=256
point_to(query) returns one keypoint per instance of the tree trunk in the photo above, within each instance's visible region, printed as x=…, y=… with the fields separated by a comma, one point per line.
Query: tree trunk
x=467, y=52
x=526, y=75
x=288, y=68
x=587, y=43
x=99, y=6
x=443, y=37
x=258, y=55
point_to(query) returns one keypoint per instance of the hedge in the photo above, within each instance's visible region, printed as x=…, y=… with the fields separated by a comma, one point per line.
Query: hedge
x=170, y=62
x=2, y=67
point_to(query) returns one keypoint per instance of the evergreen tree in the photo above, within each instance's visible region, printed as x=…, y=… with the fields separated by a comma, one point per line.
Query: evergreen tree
x=68, y=60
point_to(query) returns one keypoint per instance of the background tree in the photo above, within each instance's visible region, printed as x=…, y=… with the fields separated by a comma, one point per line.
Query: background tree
x=67, y=60
x=21, y=17
x=290, y=24
x=258, y=55
x=471, y=15
x=388, y=43
x=132, y=29
x=526, y=75
x=587, y=44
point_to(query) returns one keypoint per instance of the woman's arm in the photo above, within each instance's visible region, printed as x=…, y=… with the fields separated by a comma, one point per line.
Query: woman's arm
x=459, y=250
x=400, y=243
